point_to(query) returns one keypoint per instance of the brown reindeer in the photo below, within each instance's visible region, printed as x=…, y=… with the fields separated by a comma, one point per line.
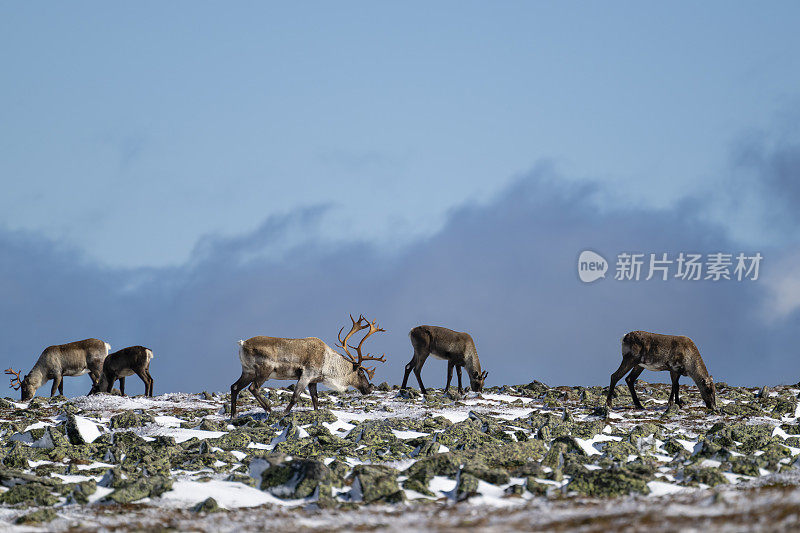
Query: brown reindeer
x=457, y=348
x=123, y=363
x=310, y=361
x=72, y=359
x=652, y=351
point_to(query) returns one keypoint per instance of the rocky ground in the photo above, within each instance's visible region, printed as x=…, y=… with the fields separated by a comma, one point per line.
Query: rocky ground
x=512, y=458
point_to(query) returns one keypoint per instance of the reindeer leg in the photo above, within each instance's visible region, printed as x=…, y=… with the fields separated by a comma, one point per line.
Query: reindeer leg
x=61, y=387
x=624, y=368
x=56, y=383
x=409, y=367
x=299, y=387
x=631, y=380
x=122, y=386
x=255, y=390
x=458, y=373
x=145, y=379
x=147, y=371
x=418, y=373
x=450, y=366
x=675, y=388
x=312, y=390
x=241, y=383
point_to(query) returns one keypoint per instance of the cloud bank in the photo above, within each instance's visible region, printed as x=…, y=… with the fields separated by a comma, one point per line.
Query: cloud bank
x=505, y=271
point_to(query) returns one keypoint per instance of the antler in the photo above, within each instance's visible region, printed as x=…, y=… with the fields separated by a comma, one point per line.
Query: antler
x=16, y=382
x=373, y=328
x=483, y=375
x=353, y=329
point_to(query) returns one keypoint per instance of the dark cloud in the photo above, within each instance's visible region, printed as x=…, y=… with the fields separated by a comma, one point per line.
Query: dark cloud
x=766, y=173
x=504, y=271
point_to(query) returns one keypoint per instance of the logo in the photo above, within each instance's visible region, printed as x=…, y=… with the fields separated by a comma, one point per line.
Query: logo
x=591, y=266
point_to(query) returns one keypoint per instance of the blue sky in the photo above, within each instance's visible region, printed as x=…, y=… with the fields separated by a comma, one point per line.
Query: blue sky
x=160, y=160
x=131, y=131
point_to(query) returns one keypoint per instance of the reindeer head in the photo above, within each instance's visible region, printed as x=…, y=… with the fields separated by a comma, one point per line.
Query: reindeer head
x=102, y=384
x=363, y=375
x=26, y=384
x=476, y=380
x=708, y=391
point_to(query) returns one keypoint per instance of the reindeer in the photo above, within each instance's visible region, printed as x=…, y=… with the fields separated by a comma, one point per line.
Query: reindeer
x=677, y=354
x=457, y=348
x=123, y=363
x=308, y=360
x=72, y=359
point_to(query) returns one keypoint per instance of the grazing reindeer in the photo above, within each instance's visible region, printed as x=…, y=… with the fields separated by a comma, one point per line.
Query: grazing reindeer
x=123, y=363
x=457, y=348
x=310, y=361
x=72, y=359
x=679, y=355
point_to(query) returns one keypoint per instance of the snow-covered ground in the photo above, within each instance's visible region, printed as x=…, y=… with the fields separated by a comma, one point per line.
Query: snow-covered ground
x=361, y=461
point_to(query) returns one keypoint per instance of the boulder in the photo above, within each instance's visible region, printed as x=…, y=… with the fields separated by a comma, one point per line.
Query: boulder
x=606, y=483
x=130, y=419
x=377, y=483
x=442, y=464
x=299, y=478
x=131, y=490
x=40, y=516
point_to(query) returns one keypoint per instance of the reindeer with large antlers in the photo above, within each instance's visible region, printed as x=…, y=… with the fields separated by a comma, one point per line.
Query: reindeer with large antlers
x=310, y=361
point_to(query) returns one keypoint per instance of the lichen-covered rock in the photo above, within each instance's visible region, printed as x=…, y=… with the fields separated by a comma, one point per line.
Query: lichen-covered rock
x=136, y=489
x=39, y=516
x=741, y=409
x=127, y=440
x=301, y=418
x=554, y=458
x=467, y=486
x=299, y=478
x=774, y=452
x=706, y=475
x=466, y=435
x=619, y=450
x=442, y=464
x=607, y=483
x=535, y=487
x=80, y=430
x=496, y=476
x=233, y=440
x=52, y=438
x=587, y=429
x=339, y=468
x=378, y=441
x=28, y=494
x=209, y=505
x=744, y=466
x=514, y=490
x=535, y=388
x=377, y=483
x=645, y=430
x=423, y=446
x=417, y=486
x=242, y=478
x=130, y=419
x=784, y=407
x=80, y=492
x=213, y=425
